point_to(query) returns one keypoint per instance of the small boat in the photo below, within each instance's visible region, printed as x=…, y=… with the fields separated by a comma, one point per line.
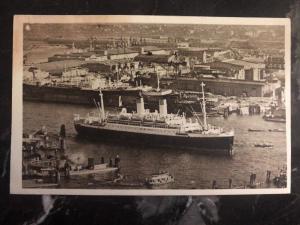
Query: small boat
x=274, y=119
x=98, y=168
x=263, y=145
x=276, y=130
x=255, y=130
x=159, y=179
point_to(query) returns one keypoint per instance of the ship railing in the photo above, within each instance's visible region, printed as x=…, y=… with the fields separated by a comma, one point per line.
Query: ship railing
x=140, y=123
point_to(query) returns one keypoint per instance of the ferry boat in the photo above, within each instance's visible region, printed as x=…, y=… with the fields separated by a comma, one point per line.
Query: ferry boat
x=155, y=128
x=159, y=179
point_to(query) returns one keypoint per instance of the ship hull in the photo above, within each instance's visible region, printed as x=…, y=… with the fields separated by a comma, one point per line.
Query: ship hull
x=205, y=143
x=78, y=96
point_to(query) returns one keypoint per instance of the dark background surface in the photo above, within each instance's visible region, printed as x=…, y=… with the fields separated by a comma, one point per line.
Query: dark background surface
x=240, y=210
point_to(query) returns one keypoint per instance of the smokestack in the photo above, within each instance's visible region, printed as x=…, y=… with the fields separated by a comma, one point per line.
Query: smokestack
x=140, y=108
x=163, y=110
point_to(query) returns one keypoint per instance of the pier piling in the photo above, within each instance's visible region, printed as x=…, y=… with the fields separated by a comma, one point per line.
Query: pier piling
x=226, y=113
x=67, y=170
x=62, y=136
x=252, y=179
x=214, y=184
x=57, y=176
x=117, y=161
x=91, y=163
x=229, y=183
x=268, y=178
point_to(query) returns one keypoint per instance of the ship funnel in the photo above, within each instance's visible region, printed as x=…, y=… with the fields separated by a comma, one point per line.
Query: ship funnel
x=163, y=110
x=140, y=108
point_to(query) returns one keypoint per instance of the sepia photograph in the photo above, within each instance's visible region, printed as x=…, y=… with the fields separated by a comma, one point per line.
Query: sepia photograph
x=151, y=105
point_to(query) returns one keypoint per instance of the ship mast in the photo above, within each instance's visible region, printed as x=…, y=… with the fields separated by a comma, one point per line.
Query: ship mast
x=158, y=88
x=102, y=105
x=203, y=107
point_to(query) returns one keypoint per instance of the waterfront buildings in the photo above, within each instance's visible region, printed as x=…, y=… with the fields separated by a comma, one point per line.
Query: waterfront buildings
x=233, y=70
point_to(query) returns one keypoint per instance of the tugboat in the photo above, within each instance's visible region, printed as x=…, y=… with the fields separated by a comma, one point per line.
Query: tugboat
x=157, y=128
x=159, y=179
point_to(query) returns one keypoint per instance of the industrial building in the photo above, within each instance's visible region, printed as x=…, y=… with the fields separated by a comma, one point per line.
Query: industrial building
x=241, y=70
x=225, y=87
x=197, y=54
x=70, y=56
x=159, y=59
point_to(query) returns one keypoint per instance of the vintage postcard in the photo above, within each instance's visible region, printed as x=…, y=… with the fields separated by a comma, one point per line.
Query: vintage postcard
x=151, y=105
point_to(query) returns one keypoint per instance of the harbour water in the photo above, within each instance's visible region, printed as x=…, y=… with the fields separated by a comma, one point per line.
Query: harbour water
x=191, y=169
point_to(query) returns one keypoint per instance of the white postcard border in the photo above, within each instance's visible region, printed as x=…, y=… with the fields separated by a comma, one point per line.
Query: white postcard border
x=17, y=102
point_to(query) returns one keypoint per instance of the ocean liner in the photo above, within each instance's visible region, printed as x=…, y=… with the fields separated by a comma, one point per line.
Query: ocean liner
x=77, y=86
x=155, y=128
x=114, y=97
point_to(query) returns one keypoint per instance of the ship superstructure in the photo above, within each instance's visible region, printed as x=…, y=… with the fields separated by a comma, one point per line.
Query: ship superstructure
x=78, y=86
x=157, y=128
